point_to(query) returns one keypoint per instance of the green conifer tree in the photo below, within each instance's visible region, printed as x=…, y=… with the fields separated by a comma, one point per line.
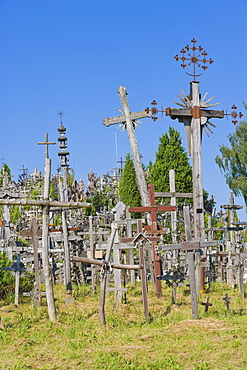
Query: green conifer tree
x=128, y=190
x=171, y=155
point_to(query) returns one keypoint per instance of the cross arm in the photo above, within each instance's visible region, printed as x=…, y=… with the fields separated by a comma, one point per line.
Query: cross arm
x=152, y=208
x=208, y=113
x=120, y=119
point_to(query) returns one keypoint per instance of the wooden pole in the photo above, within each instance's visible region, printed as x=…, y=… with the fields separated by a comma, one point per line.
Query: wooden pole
x=17, y=278
x=34, y=228
x=198, y=206
x=143, y=272
x=191, y=265
x=45, y=245
x=104, y=276
x=67, y=268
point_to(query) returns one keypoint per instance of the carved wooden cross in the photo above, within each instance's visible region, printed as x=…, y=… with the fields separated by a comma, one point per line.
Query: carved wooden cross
x=128, y=119
x=195, y=117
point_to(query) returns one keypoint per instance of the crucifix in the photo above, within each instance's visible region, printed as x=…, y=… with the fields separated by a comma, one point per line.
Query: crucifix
x=195, y=115
x=128, y=120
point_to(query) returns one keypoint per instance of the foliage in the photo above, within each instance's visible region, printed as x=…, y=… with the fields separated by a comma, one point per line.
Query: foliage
x=53, y=190
x=233, y=160
x=7, y=280
x=171, y=155
x=128, y=190
x=4, y=170
x=15, y=214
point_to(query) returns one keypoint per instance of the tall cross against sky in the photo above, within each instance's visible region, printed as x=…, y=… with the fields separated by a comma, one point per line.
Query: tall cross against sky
x=46, y=143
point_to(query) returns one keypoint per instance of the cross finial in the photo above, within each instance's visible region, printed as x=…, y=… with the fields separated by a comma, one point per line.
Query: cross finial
x=60, y=114
x=47, y=143
x=194, y=58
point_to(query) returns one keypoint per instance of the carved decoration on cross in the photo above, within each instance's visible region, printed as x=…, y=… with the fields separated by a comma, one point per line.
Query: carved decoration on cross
x=46, y=143
x=122, y=119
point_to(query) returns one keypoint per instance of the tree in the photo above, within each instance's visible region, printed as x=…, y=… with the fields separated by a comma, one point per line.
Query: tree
x=171, y=155
x=128, y=190
x=233, y=160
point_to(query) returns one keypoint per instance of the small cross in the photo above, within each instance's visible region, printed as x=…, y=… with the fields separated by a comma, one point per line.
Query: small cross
x=206, y=304
x=46, y=143
x=121, y=162
x=227, y=301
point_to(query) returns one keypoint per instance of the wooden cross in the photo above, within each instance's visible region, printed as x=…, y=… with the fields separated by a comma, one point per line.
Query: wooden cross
x=195, y=117
x=206, y=304
x=227, y=301
x=106, y=266
x=190, y=246
x=128, y=119
x=172, y=278
x=47, y=143
x=17, y=267
x=153, y=229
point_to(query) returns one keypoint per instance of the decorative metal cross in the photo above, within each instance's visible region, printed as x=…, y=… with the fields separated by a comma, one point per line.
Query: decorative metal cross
x=47, y=143
x=193, y=58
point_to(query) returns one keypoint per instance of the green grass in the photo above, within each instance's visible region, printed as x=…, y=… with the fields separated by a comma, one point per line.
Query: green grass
x=168, y=340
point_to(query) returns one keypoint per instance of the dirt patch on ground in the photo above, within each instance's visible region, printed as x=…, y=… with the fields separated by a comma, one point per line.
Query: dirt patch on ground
x=202, y=324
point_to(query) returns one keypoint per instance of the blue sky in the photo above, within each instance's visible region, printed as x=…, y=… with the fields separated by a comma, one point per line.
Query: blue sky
x=72, y=55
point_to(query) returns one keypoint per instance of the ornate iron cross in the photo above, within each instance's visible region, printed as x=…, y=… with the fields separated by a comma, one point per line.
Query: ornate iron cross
x=189, y=53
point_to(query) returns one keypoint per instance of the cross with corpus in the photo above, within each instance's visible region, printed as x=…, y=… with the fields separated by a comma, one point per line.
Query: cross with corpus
x=154, y=229
x=128, y=120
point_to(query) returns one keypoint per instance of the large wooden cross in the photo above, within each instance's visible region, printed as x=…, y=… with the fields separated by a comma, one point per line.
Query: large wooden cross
x=128, y=118
x=153, y=229
x=195, y=117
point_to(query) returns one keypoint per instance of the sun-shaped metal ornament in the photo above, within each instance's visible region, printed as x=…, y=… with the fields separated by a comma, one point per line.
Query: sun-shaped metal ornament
x=195, y=56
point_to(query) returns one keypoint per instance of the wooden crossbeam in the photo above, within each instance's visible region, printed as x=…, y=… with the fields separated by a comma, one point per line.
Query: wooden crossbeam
x=121, y=119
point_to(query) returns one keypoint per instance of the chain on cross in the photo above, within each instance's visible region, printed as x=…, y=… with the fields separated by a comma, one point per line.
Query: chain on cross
x=194, y=57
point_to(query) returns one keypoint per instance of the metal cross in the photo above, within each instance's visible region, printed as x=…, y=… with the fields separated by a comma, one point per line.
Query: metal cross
x=47, y=143
x=191, y=57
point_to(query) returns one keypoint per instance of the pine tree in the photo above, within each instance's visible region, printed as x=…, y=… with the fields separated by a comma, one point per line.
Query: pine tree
x=171, y=155
x=128, y=190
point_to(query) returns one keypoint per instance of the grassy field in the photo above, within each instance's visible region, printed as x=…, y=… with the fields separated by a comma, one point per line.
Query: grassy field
x=169, y=340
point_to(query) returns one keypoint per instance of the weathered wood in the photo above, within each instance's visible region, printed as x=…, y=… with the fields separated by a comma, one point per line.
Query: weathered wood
x=34, y=231
x=143, y=272
x=173, y=194
x=45, y=246
x=67, y=269
x=104, y=276
x=209, y=113
x=153, y=209
x=45, y=203
x=191, y=265
x=94, y=261
x=140, y=177
x=122, y=119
